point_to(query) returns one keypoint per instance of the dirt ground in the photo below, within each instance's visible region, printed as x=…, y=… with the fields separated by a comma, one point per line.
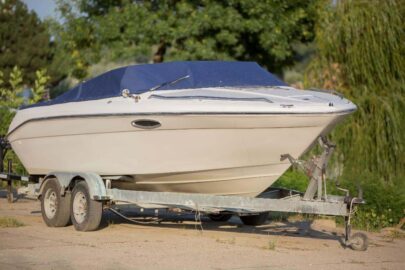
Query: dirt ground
x=181, y=243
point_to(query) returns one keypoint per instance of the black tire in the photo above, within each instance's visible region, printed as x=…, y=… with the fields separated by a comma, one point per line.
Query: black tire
x=55, y=208
x=359, y=242
x=87, y=214
x=255, y=220
x=220, y=217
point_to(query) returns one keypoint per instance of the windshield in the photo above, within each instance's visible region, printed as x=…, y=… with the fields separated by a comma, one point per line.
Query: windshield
x=169, y=83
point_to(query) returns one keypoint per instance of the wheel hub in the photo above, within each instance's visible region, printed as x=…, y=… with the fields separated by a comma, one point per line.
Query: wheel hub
x=79, y=207
x=50, y=203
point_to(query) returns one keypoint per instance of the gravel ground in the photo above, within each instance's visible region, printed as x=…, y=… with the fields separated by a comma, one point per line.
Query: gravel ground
x=181, y=243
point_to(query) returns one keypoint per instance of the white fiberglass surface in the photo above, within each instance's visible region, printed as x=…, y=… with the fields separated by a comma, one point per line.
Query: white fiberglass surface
x=281, y=100
x=272, y=95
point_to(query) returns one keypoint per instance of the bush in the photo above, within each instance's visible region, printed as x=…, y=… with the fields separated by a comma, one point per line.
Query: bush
x=385, y=204
x=293, y=179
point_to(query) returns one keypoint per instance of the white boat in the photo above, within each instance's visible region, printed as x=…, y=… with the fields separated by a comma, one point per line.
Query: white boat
x=196, y=127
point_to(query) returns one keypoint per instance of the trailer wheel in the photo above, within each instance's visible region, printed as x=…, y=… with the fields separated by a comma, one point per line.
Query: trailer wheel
x=359, y=241
x=55, y=208
x=220, y=217
x=85, y=213
x=255, y=220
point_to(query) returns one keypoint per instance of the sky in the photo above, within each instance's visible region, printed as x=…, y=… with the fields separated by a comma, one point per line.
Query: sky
x=44, y=8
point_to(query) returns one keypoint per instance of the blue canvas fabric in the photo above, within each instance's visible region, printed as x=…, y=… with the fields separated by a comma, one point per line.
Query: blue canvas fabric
x=140, y=78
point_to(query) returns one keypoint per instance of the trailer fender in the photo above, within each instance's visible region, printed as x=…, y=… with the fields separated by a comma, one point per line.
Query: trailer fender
x=95, y=183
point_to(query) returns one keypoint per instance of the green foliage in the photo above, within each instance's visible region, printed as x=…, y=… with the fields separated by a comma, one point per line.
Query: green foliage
x=363, y=59
x=25, y=41
x=11, y=99
x=385, y=203
x=381, y=210
x=6, y=115
x=293, y=179
x=10, y=89
x=262, y=31
x=39, y=85
x=9, y=222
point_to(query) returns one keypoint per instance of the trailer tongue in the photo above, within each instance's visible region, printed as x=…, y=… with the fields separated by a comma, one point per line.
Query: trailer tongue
x=81, y=197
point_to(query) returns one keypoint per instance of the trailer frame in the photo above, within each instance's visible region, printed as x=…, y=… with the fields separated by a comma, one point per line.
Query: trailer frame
x=100, y=193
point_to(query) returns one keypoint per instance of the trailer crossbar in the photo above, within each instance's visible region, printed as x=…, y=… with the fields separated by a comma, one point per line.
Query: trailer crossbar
x=7, y=176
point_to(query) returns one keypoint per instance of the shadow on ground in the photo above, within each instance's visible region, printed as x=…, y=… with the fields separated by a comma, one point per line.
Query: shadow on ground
x=16, y=196
x=190, y=220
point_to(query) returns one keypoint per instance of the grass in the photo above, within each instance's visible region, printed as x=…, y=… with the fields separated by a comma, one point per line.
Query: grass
x=231, y=241
x=271, y=245
x=9, y=222
x=396, y=234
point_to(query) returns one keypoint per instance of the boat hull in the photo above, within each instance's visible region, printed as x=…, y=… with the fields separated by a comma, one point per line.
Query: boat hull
x=231, y=154
x=242, y=181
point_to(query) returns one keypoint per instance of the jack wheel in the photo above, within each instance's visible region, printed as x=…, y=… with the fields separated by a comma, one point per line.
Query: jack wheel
x=359, y=242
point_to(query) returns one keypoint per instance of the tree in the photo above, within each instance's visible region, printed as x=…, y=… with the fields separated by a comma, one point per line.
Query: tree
x=364, y=60
x=11, y=99
x=25, y=42
x=249, y=30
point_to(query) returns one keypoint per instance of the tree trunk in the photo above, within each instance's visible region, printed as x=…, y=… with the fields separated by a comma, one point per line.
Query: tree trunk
x=158, y=57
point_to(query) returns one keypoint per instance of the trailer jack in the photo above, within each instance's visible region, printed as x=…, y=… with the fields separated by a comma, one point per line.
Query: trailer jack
x=315, y=169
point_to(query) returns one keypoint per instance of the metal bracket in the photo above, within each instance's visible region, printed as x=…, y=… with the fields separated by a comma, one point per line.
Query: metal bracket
x=315, y=169
x=127, y=94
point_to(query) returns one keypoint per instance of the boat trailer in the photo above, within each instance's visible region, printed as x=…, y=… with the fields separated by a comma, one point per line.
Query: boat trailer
x=87, y=194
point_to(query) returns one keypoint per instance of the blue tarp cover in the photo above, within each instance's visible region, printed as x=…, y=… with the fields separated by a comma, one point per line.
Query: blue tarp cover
x=140, y=78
